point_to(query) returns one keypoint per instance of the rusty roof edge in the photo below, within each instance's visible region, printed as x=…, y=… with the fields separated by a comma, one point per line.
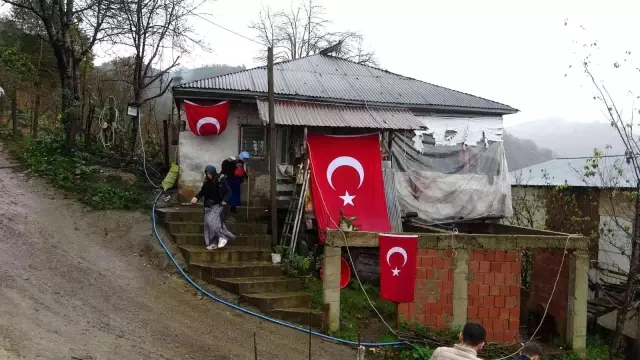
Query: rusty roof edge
x=186, y=93
x=417, y=124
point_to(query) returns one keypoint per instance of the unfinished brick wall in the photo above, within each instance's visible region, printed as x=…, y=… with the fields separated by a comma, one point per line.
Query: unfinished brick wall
x=433, y=304
x=494, y=293
x=544, y=270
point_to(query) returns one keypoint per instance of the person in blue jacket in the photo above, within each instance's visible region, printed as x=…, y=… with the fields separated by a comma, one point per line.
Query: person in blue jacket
x=234, y=169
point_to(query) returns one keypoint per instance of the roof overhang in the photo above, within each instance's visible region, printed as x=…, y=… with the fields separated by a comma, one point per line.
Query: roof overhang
x=182, y=93
x=303, y=113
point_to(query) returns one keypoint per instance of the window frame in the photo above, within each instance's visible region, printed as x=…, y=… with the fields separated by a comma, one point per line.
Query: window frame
x=264, y=136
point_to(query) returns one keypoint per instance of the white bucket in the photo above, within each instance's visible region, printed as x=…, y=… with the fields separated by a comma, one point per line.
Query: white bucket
x=276, y=258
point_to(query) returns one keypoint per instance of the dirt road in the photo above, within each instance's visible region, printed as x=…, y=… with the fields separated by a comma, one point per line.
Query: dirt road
x=74, y=285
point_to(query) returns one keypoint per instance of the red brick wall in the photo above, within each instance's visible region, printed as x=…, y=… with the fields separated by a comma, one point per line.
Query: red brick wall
x=494, y=293
x=433, y=304
x=544, y=270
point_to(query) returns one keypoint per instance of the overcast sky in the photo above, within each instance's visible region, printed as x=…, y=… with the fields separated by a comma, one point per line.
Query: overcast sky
x=514, y=52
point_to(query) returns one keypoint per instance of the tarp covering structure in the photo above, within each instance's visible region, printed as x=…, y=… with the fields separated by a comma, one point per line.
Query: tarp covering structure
x=454, y=169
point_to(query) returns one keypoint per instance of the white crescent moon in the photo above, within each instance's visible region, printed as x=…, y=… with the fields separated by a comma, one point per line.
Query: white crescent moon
x=208, y=120
x=344, y=161
x=398, y=250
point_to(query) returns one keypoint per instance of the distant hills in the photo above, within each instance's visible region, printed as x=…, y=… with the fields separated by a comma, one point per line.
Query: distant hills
x=570, y=139
x=522, y=153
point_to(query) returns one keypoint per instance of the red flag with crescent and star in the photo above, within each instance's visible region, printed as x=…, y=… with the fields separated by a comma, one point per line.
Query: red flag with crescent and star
x=346, y=175
x=207, y=120
x=398, y=263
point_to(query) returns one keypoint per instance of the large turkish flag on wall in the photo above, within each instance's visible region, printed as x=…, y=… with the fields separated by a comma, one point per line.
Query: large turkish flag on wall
x=398, y=263
x=207, y=120
x=346, y=174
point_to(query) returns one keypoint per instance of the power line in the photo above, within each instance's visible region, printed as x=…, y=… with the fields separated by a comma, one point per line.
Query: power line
x=229, y=30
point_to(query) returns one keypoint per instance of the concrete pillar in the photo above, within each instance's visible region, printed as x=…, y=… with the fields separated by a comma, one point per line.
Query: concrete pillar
x=577, y=302
x=331, y=287
x=460, y=286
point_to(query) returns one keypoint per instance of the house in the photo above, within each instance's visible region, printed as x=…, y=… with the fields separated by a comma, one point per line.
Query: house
x=602, y=208
x=573, y=196
x=327, y=94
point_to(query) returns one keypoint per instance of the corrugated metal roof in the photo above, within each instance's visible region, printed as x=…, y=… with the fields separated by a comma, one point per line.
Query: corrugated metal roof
x=571, y=172
x=328, y=77
x=303, y=113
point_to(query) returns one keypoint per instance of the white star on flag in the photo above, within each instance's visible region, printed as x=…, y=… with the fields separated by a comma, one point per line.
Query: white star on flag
x=396, y=272
x=348, y=199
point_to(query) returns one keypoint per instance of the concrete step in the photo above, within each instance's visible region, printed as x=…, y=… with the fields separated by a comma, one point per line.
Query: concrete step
x=208, y=272
x=254, y=285
x=226, y=255
x=197, y=227
x=300, y=315
x=270, y=301
x=194, y=213
x=258, y=241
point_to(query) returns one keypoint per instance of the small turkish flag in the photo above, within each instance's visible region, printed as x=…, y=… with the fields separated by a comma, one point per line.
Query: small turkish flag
x=398, y=262
x=207, y=120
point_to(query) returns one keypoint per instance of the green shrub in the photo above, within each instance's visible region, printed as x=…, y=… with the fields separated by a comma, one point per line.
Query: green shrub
x=74, y=170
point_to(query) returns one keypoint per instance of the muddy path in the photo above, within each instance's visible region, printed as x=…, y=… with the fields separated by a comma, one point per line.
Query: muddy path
x=75, y=283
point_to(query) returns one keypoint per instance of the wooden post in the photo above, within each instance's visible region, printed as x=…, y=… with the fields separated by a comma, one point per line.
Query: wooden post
x=14, y=110
x=36, y=106
x=36, y=113
x=165, y=128
x=272, y=149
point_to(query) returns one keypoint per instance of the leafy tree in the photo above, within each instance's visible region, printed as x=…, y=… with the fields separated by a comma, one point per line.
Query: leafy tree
x=71, y=28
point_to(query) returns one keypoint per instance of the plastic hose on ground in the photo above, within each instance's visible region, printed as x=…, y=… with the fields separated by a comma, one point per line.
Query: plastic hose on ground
x=252, y=313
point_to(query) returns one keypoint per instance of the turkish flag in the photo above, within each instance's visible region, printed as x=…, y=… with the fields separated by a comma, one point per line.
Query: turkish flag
x=398, y=262
x=207, y=120
x=346, y=174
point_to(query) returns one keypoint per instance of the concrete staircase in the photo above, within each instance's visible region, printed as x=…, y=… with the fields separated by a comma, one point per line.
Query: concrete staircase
x=243, y=267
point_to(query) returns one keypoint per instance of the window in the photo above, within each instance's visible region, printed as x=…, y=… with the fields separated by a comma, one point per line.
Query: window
x=253, y=139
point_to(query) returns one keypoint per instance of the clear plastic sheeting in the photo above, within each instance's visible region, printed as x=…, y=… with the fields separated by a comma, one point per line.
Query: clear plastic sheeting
x=455, y=169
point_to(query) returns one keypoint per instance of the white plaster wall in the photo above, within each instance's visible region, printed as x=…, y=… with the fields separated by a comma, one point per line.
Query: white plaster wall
x=530, y=203
x=196, y=152
x=614, y=215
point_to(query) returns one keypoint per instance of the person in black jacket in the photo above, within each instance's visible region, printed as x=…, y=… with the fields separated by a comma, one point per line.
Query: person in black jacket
x=530, y=351
x=216, y=193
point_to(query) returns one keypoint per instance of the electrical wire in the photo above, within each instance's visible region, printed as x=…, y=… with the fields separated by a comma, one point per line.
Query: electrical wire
x=355, y=272
x=546, y=309
x=144, y=155
x=252, y=313
x=454, y=232
x=229, y=30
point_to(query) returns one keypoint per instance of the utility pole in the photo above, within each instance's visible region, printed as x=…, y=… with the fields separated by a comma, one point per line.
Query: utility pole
x=272, y=148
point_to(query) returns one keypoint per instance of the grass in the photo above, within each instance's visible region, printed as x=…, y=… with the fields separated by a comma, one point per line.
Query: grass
x=75, y=171
x=356, y=314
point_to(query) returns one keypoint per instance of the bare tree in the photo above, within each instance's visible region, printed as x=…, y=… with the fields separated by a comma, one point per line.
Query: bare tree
x=630, y=179
x=302, y=31
x=71, y=28
x=149, y=28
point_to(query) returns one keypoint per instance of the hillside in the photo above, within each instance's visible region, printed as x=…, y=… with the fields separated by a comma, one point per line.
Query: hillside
x=523, y=152
x=569, y=139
